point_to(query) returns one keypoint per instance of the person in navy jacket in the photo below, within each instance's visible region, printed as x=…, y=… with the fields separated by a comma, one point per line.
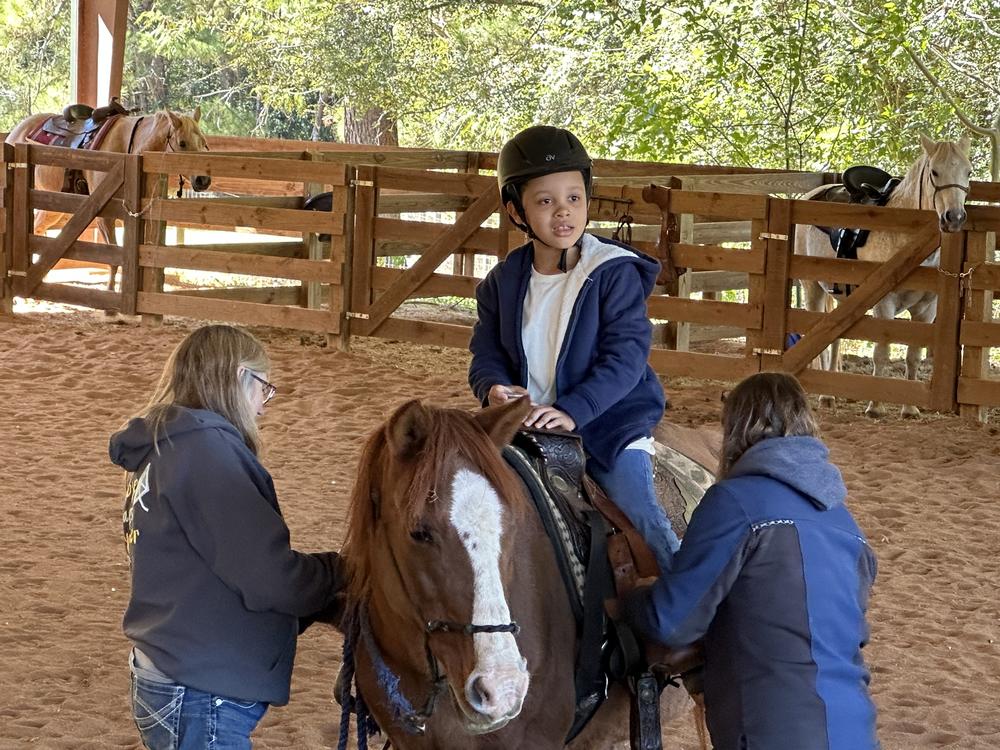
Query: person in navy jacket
x=563, y=320
x=774, y=574
x=218, y=595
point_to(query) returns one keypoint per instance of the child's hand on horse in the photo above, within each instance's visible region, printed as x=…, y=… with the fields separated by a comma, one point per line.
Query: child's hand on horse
x=500, y=394
x=550, y=418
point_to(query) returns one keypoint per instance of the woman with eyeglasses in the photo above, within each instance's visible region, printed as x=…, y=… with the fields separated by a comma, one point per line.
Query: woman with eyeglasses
x=218, y=596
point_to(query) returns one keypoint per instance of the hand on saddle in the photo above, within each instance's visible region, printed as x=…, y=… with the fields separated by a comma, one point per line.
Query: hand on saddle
x=501, y=394
x=549, y=418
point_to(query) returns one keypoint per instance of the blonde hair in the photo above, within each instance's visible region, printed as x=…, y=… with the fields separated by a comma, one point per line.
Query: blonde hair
x=765, y=405
x=202, y=372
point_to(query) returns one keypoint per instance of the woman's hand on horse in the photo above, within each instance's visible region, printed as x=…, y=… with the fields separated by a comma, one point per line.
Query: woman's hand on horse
x=550, y=418
x=500, y=394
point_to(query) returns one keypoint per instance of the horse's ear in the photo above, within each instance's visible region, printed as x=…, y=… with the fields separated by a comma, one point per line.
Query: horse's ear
x=964, y=143
x=196, y=115
x=175, y=120
x=407, y=430
x=502, y=421
x=927, y=144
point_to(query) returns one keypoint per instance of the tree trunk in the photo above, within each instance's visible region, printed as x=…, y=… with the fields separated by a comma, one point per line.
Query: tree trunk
x=375, y=127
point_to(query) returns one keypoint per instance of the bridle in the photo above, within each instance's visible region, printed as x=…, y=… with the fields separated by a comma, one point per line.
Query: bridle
x=937, y=188
x=415, y=721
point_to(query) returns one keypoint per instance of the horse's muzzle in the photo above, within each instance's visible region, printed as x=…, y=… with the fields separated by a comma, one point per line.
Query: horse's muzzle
x=201, y=183
x=952, y=220
x=496, y=697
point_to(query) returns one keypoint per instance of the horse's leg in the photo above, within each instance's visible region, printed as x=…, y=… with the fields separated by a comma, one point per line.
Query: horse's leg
x=923, y=312
x=815, y=298
x=884, y=310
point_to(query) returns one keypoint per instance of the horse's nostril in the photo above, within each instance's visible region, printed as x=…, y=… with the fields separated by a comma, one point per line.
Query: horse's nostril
x=480, y=697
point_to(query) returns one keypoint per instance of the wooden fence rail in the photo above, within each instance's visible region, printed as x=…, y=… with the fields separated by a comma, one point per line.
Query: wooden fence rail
x=727, y=230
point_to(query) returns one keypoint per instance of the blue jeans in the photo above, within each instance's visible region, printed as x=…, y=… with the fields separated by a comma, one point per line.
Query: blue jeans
x=174, y=717
x=630, y=485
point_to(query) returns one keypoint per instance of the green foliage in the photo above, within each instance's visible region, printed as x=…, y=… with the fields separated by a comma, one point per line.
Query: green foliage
x=800, y=84
x=34, y=69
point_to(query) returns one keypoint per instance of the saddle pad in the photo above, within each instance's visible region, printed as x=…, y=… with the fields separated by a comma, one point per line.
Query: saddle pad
x=690, y=478
x=566, y=551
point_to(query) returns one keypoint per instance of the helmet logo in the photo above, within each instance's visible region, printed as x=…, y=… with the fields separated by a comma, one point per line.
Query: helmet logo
x=550, y=157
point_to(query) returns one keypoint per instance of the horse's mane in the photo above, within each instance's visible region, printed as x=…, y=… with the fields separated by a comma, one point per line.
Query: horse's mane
x=908, y=192
x=450, y=433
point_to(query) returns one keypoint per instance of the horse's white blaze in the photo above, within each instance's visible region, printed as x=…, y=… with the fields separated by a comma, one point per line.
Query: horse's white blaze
x=477, y=515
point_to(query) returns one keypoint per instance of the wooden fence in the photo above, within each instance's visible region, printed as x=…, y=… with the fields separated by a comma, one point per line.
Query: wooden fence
x=713, y=232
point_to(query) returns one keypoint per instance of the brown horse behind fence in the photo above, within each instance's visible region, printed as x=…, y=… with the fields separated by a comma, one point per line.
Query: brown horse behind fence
x=461, y=596
x=163, y=131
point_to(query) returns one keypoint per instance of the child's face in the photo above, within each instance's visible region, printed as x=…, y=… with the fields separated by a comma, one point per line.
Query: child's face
x=555, y=207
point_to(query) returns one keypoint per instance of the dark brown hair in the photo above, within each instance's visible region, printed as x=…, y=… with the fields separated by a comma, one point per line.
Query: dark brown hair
x=765, y=405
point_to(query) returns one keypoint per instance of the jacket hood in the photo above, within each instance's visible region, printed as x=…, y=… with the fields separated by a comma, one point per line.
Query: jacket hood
x=596, y=252
x=130, y=446
x=800, y=462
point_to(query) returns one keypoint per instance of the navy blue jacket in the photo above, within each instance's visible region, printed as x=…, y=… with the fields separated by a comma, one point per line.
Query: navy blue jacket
x=774, y=573
x=603, y=378
x=217, y=591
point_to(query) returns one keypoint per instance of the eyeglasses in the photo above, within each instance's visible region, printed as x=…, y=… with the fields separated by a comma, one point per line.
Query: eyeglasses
x=269, y=389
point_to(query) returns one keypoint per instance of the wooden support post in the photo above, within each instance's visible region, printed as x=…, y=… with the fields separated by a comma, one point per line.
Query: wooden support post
x=365, y=211
x=779, y=239
x=132, y=236
x=6, y=229
x=311, y=296
x=756, y=288
x=347, y=262
x=979, y=248
x=151, y=279
x=668, y=281
x=23, y=218
x=947, y=324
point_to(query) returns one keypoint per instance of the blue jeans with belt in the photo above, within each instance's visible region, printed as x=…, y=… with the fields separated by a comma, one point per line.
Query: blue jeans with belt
x=629, y=484
x=174, y=717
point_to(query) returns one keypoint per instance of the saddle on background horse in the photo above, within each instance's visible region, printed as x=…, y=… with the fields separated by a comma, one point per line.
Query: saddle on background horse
x=601, y=556
x=863, y=185
x=79, y=126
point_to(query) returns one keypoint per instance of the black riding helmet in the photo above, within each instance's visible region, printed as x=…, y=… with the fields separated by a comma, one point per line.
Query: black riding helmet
x=536, y=151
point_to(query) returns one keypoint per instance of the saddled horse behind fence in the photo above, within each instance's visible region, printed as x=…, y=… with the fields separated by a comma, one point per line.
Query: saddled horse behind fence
x=107, y=131
x=937, y=181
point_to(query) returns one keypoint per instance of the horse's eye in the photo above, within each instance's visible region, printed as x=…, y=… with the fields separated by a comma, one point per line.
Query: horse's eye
x=934, y=173
x=422, y=535
x=184, y=144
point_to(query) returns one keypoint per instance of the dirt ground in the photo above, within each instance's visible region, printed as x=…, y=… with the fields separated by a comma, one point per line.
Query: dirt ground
x=925, y=491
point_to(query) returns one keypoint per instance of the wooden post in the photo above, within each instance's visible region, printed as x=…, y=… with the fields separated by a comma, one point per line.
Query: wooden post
x=779, y=240
x=313, y=249
x=756, y=288
x=365, y=211
x=6, y=229
x=947, y=324
x=23, y=218
x=685, y=234
x=156, y=234
x=347, y=262
x=979, y=248
x=132, y=235
x=668, y=281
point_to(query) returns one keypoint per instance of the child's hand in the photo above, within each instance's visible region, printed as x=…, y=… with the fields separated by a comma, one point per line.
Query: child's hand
x=500, y=394
x=550, y=418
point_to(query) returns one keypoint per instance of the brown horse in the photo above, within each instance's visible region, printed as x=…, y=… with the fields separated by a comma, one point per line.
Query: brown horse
x=162, y=131
x=461, y=593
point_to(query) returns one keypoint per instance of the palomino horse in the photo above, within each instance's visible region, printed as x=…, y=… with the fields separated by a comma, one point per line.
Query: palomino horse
x=467, y=629
x=163, y=131
x=938, y=181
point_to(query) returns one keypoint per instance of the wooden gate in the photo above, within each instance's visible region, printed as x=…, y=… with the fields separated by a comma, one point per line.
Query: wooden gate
x=33, y=256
